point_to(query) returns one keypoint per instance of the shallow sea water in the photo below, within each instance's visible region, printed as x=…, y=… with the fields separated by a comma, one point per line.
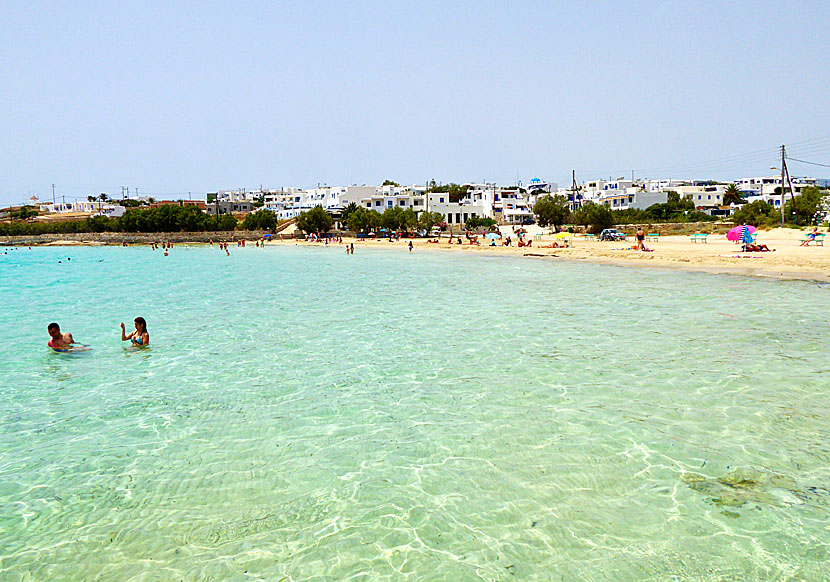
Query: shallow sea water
x=306, y=415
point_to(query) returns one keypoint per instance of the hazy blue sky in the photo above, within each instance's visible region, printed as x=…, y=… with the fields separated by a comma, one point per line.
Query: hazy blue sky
x=178, y=97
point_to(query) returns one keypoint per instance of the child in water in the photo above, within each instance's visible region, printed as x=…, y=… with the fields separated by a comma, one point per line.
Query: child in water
x=139, y=337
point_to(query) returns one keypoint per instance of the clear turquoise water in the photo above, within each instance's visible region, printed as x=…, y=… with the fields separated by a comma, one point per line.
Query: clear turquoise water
x=306, y=415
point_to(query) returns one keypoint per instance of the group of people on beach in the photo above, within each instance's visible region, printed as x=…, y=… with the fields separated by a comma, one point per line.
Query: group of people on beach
x=64, y=342
x=325, y=238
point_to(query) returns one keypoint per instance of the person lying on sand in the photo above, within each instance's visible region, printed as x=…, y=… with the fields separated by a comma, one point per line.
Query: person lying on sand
x=756, y=248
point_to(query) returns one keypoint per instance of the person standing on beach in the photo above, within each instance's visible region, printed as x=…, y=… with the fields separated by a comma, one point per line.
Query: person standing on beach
x=60, y=341
x=139, y=337
x=640, y=236
x=410, y=246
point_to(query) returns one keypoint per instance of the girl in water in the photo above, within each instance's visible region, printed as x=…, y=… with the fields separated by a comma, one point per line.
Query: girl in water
x=139, y=337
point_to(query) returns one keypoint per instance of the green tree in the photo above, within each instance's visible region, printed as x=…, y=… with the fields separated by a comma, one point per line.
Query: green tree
x=675, y=208
x=227, y=222
x=393, y=219
x=755, y=213
x=316, y=220
x=807, y=204
x=348, y=210
x=103, y=197
x=390, y=183
x=732, y=196
x=98, y=224
x=475, y=222
x=410, y=219
x=429, y=219
x=596, y=217
x=23, y=213
x=260, y=220
x=363, y=220
x=552, y=211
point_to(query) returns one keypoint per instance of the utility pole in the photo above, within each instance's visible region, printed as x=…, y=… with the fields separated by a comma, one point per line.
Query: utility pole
x=53, y=194
x=786, y=171
x=783, y=166
x=573, y=189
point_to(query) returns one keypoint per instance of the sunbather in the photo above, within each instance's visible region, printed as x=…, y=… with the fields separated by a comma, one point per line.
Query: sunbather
x=756, y=248
x=811, y=236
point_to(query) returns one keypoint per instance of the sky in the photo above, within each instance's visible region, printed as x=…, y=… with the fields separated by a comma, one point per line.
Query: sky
x=178, y=98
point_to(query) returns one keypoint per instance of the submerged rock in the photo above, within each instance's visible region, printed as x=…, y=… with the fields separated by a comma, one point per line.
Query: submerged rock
x=745, y=485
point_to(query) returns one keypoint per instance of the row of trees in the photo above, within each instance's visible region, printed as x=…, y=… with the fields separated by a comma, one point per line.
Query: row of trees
x=158, y=219
x=363, y=220
x=553, y=211
x=260, y=220
x=806, y=206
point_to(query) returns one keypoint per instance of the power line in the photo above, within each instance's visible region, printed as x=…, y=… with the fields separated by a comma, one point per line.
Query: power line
x=806, y=162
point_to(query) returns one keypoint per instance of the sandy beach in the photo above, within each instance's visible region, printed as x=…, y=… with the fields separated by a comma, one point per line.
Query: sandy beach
x=789, y=260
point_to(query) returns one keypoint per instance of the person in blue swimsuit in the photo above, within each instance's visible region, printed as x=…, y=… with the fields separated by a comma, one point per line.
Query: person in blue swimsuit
x=139, y=337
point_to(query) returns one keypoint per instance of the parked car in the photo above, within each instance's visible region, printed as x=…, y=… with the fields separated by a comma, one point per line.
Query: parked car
x=528, y=221
x=612, y=234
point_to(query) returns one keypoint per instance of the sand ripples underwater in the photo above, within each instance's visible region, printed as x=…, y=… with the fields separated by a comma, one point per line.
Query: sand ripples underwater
x=306, y=415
